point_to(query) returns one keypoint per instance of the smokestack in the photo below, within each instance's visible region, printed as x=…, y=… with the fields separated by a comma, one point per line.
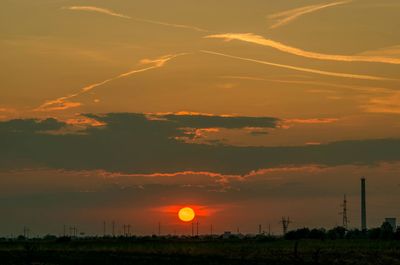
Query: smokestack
x=363, y=206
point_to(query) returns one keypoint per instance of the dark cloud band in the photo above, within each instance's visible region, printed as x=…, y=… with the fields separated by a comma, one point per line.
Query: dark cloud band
x=135, y=144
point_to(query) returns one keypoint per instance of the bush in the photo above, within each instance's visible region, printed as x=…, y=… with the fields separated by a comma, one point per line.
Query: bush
x=317, y=234
x=298, y=234
x=338, y=232
x=387, y=231
x=355, y=234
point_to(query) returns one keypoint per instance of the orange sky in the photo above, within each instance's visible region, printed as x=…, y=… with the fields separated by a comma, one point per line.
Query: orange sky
x=215, y=105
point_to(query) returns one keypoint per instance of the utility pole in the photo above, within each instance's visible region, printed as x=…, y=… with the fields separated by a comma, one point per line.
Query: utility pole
x=211, y=230
x=26, y=232
x=159, y=228
x=113, y=228
x=192, y=229
x=104, y=228
x=197, y=228
x=259, y=229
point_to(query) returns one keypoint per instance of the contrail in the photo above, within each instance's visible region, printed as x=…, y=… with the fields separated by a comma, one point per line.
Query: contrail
x=98, y=10
x=284, y=18
x=170, y=24
x=315, y=83
x=260, y=40
x=112, y=13
x=63, y=103
x=301, y=69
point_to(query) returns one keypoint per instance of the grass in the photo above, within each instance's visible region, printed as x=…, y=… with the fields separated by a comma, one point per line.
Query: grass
x=200, y=251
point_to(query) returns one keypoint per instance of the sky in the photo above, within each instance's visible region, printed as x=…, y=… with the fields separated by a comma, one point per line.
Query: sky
x=246, y=111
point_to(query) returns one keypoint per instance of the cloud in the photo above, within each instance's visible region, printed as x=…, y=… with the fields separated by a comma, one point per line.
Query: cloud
x=392, y=51
x=30, y=126
x=63, y=103
x=360, y=89
x=284, y=18
x=389, y=104
x=149, y=21
x=134, y=144
x=161, y=23
x=186, y=113
x=260, y=40
x=98, y=10
x=6, y=112
x=233, y=122
x=301, y=69
x=85, y=197
x=311, y=121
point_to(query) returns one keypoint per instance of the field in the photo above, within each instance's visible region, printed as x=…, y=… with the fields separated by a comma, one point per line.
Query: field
x=199, y=251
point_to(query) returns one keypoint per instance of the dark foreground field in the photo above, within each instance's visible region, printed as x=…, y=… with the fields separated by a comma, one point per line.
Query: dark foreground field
x=207, y=252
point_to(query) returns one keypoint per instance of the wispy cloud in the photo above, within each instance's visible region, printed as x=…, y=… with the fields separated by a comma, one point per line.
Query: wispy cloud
x=260, y=40
x=312, y=121
x=6, y=113
x=284, y=18
x=161, y=23
x=388, y=104
x=392, y=51
x=64, y=103
x=358, y=89
x=97, y=10
x=149, y=21
x=301, y=69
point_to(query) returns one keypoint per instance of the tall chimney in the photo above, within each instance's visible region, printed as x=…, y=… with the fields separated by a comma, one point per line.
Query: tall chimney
x=363, y=206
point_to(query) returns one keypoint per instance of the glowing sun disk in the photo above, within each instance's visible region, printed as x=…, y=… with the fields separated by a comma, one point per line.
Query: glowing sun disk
x=186, y=214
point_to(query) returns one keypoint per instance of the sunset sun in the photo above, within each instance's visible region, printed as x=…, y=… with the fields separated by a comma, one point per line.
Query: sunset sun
x=186, y=214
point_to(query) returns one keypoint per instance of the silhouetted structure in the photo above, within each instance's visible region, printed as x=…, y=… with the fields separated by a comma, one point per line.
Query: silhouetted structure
x=113, y=228
x=363, y=206
x=345, y=220
x=73, y=231
x=26, y=232
x=127, y=231
x=285, y=224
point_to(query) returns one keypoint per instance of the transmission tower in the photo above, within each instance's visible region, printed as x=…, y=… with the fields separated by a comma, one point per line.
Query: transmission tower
x=285, y=224
x=345, y=220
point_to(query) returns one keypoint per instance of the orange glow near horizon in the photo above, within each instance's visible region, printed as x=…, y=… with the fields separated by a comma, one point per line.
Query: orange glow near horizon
x=186, y=214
